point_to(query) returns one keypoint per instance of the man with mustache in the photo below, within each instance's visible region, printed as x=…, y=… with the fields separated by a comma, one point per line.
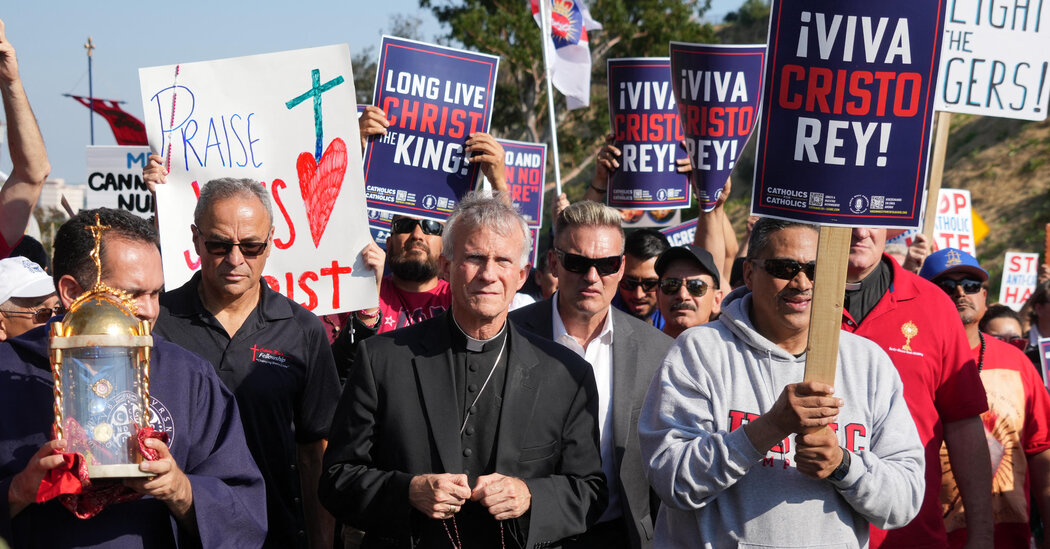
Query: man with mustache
x=1018, y=416
x=689, y=288
x=909, y=318
x=738, y=465
x=269, y=350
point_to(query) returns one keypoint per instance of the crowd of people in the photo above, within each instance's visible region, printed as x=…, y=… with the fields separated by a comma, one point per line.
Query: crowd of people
x=646, y=395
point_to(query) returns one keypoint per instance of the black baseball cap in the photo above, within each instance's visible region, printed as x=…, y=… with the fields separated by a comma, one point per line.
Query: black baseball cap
x=690, y=252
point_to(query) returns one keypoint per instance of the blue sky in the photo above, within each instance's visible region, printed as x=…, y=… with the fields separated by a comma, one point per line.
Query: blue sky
x=49, y=38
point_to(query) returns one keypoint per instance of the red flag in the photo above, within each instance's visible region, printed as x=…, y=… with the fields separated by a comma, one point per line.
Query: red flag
x=127, y=129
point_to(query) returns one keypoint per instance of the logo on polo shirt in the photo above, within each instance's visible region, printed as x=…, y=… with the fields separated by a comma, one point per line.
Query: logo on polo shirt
x=272, y=357
x=909, y=330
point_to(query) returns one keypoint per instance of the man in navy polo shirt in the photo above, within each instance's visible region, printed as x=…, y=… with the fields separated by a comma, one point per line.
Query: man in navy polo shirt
x=270, y=351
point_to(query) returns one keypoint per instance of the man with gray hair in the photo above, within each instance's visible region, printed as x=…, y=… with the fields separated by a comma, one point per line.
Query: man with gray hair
x=624, y=352
x=270, y=351
x=461, y=429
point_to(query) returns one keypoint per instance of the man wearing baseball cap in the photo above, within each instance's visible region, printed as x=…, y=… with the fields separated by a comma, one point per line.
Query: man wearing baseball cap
x=689, y=288
x=27, y=297
x=1018, y=416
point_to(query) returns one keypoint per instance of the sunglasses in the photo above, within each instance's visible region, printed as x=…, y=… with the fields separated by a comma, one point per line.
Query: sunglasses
x=787, y=269
x=969, y=285
x=581, y=264
x=248, y=249
x=630, y=283
x=695, y=287
x=1017, y=341
x=39, y=316
x=404, y=225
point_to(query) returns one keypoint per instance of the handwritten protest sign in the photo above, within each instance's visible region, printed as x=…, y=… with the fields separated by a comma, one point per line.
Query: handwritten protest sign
x=262, y=117
x=1020, y=275
x=718, y=89
x=434, y=98
x=995, y=60
x=647, y=132
x=525, y=170
x=847, y=110
x=115, y=179
x=954, y=225
x=682, y=234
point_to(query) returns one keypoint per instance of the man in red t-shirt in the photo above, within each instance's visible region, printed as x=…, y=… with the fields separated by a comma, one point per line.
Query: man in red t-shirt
x=29, y=162
x=914, y=322
x=1017, y=423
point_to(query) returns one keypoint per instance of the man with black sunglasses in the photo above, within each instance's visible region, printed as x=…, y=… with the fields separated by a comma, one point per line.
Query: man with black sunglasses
x=623, y=351
x=637, y=295
x=913, y=321
x=1018, y=416
x=738, y=445
x=27, y=297
x=690, y=288
x=269, y=350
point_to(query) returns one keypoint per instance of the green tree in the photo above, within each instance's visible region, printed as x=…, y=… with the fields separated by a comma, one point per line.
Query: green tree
x=631, y=28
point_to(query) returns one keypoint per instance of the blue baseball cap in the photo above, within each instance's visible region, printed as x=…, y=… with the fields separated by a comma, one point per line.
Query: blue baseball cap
x=951, y=260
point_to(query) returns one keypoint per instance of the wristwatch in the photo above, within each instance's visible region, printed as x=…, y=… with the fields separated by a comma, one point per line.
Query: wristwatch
x=842, y=470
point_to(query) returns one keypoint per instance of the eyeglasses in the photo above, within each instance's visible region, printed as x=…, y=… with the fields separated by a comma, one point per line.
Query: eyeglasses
x=403, y=225
x=631, y=283
x=248, y=249
x=1020, y=342
x=695, y=287
x=969, y=285
x=787, y=269
x=39, y=316
x=221, y=247
x=581, y=264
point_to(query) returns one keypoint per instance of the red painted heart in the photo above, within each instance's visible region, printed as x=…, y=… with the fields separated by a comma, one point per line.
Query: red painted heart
x=320, y=185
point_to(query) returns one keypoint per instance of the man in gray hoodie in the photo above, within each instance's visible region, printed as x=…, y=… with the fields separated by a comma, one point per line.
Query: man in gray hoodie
x=734, y=442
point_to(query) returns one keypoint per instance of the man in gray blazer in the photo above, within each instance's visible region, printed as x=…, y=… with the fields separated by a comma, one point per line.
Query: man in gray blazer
x=623, y=351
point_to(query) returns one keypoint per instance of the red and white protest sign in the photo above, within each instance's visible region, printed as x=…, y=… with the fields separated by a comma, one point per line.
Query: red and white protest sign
x=262, y=117
x=954, y=226
x=1020, y=272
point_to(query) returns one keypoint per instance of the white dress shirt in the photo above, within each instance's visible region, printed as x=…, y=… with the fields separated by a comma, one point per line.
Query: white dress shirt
x=597, y=352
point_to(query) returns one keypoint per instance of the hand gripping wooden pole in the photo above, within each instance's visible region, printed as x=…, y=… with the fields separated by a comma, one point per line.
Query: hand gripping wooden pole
x=825, y=314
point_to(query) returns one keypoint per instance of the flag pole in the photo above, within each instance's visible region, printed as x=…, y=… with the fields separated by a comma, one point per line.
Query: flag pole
x=545, y=40
x=91, y=91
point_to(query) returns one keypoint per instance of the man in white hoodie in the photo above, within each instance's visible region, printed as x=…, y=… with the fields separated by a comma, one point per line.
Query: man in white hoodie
x=735, y=443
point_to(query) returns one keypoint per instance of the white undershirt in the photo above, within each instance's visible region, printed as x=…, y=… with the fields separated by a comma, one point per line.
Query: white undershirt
x=598, y=352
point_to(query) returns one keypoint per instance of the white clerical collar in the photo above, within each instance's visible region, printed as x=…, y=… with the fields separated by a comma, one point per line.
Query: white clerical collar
x=473, y=344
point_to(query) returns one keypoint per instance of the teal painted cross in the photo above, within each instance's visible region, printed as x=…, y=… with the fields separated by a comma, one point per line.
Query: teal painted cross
x=316, y=92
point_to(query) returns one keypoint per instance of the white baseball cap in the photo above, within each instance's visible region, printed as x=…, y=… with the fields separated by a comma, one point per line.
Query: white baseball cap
x=20, y=277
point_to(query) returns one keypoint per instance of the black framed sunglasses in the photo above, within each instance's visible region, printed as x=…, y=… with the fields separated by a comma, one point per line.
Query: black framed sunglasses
x=969, y=285
x=695, y=287
x=403, y=225
x=787, y=269
x=39, y=316
x=248, y=249
x=581, y=264
x=631, y=283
